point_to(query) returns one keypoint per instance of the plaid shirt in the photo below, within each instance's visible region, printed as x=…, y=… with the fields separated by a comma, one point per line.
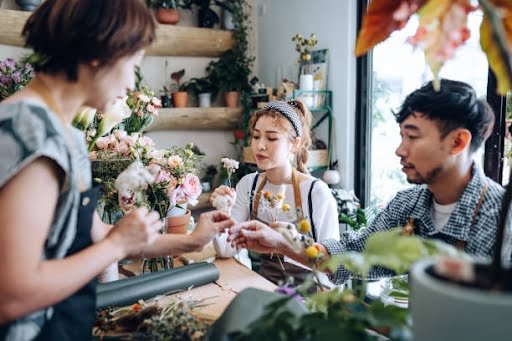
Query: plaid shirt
x=417, y=203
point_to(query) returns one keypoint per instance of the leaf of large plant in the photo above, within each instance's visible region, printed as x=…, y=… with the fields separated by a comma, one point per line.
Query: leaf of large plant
x=443, y=27
x=381, y=19
x=490, y=47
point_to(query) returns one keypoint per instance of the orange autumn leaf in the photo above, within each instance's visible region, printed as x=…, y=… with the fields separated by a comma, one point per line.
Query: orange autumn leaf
x=489, y=46
x=381, y=19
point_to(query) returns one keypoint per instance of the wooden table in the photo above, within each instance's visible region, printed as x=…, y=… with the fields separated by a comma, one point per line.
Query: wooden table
x=233, y=278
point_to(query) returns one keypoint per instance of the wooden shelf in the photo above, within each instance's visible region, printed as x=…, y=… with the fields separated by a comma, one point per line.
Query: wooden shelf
x=170, y=40
x=215, y=118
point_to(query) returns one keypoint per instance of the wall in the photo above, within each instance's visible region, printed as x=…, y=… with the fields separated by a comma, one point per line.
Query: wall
x=156, y=71
x=334, y=22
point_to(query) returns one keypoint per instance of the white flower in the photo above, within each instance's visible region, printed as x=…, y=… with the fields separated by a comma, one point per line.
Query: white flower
x=230, y=164
x=114, y=115
x=84, y=116
x=133, y=178
x=144, y=98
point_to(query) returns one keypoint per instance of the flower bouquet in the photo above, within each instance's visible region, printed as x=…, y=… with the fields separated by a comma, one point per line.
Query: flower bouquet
x=13, y=76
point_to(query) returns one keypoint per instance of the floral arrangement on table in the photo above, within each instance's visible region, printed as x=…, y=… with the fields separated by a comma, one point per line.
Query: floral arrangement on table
x=115, y=140
x=153, y=320
x=304, y=46
x=13, y=76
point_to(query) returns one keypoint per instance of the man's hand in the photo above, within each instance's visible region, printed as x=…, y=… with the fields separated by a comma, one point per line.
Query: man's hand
x=210, y=224
x=257, y=236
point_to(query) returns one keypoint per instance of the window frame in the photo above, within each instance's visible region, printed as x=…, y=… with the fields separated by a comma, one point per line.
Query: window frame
x=494, y=146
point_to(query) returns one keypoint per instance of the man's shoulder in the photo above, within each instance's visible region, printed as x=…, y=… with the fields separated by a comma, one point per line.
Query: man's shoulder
x=494, y=195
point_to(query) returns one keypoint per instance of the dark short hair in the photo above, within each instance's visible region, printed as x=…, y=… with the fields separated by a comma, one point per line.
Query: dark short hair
x=65, y=33
x=454, y=106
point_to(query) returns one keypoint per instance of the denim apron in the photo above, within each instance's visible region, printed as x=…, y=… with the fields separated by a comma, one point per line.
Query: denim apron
x=73, y=318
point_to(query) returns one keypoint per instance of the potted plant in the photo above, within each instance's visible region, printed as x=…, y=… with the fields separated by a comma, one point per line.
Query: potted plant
x=231, y=72
x=179, y=90
x=206, y=16
x=204, y=89
x=28, y=5
x=230, y=9
x=455, y=299
x=166, y=11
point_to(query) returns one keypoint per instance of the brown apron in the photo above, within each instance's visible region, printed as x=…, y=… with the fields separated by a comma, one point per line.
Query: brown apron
x=273, y=267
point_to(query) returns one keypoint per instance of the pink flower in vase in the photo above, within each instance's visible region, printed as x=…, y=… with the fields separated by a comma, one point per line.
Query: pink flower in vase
x=192, y=187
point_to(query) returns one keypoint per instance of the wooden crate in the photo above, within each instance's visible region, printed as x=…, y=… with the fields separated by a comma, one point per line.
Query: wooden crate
x=317, y=157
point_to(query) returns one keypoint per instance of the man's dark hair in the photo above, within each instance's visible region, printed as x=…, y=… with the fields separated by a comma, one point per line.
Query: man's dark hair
x=454, y=106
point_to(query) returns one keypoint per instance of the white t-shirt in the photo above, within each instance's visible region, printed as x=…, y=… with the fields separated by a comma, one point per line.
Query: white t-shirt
x=325, y=212
x=441, y=214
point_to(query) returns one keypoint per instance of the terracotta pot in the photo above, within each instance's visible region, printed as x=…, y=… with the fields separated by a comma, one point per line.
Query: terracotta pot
x=179, y=224
x=167, y=16
x=231, y=98
x=180, y=99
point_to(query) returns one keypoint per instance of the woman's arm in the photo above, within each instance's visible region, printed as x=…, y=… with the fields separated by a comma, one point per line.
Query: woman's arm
x=208, y=226
x=27, y=205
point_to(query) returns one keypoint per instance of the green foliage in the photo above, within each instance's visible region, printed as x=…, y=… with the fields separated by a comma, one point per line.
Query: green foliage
x=355, y=223
x=333, y=315
x=170, y=4
x=232, y=70
x=392, y=250
x=202, y=85
x=207, y=17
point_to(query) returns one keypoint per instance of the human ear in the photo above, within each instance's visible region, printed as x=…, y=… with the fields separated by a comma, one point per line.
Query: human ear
x=461, y=141
x=295, y=145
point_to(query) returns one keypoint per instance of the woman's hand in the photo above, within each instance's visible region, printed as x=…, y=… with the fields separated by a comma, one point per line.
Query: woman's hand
x=225, y=204
x=209, y=225
x=135, y=231
x=257, y=236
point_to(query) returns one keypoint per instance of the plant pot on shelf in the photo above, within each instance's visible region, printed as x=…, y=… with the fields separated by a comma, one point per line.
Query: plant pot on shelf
x=443, y=310
x=232, y=98
x=180, y=99
x=178, y=224
x=205, y=100
x=168, y=16
x=227, y=20
x=28, y=5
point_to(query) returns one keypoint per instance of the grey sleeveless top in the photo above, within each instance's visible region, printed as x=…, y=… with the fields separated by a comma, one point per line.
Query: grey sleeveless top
x=29, y=131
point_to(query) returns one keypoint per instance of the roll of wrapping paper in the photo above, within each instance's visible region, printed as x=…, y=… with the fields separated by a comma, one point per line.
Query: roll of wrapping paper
x=130, y=290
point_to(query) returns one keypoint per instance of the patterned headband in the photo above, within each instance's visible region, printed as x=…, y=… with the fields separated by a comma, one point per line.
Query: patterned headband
x=288, y=112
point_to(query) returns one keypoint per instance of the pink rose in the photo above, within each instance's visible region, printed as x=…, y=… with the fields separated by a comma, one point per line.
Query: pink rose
x=102, y=143
x=192, y=186
x=156, y=102
x=162, y=176
x=177, y=196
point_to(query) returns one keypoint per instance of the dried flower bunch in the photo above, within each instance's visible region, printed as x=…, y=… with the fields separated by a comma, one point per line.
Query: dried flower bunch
x=151, y=320
x=304, y=46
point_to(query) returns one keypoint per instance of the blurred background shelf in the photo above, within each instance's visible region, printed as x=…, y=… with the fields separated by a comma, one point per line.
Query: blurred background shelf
x=170, y=40
x=214, y=118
